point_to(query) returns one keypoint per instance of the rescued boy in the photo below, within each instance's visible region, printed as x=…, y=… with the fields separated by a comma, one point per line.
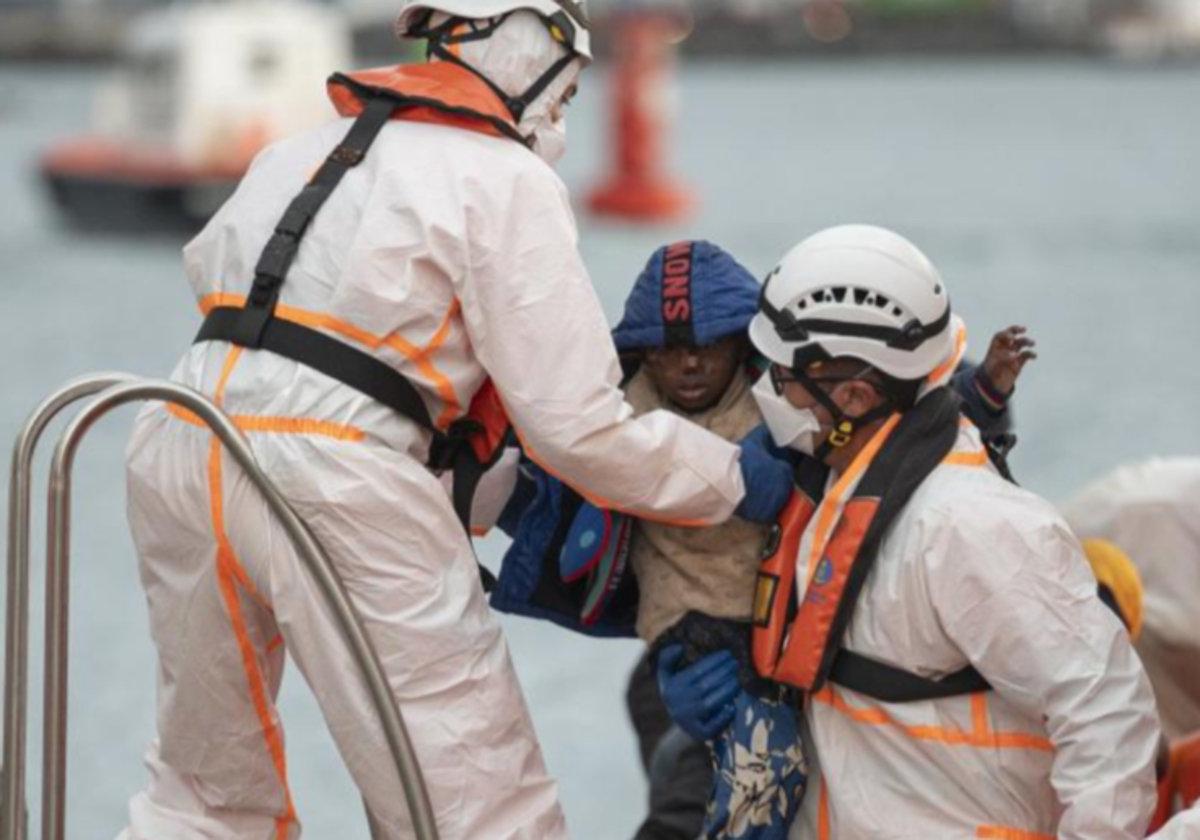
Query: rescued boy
x=685, y=349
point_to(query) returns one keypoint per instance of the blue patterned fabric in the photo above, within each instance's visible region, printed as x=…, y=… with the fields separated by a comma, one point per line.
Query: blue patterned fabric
x=760, y=772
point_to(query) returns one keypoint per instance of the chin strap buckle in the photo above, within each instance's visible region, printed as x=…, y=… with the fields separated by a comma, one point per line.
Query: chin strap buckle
x=841, y=435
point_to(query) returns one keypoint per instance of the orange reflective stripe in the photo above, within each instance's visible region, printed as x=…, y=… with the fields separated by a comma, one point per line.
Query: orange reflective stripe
x=600, y=501
x=226, y=371
x=226, y=562
x=960, y=345
x=300, y=426
x=823, y=813
x=967, y=459
x=979, y=715
x=832, y=504
x=1002, y=832
x=229, y=569
x=452, y=409
x=317, y=320
x=280, y=425
x=436, y=377
x=946, y=735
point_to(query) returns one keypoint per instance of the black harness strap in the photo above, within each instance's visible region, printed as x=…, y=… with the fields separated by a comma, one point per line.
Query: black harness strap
x=284, y=243
x=895, y=685
x=255, y=326
x=337, y=360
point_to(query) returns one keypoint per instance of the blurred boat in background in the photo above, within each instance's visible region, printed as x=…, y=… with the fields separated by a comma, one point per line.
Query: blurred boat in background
x=198, y=91
x=1155, y=30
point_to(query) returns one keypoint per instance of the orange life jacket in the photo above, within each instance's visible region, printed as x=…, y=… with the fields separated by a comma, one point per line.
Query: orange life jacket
x=790, y=644
x=440, y=93
x=799, y=642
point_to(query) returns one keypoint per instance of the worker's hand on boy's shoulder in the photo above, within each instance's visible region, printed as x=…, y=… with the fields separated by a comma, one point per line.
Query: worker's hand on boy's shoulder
x=767, y=474
x=1011, y=349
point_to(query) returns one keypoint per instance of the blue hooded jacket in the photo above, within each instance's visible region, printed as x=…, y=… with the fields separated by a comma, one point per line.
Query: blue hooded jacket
x=689, y=293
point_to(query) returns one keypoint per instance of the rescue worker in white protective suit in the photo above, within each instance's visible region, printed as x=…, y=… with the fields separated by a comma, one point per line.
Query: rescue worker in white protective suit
x=446, y=254
x=978, y=590
x=1151, y=510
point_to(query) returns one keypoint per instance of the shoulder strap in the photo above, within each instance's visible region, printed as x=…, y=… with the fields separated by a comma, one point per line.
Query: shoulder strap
x=922, y=439
x=255, y=325
x=895, y=685
x=284, y=244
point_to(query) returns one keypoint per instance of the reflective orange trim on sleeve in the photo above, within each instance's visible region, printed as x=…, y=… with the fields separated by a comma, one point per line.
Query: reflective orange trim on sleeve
x=280, y=425
x=600, y=501
x=369, y=340
x=1001, y=832
x=947, y=735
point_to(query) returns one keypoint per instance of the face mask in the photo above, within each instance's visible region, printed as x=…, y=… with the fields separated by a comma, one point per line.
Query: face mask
x=790, y=427
x=550, y=140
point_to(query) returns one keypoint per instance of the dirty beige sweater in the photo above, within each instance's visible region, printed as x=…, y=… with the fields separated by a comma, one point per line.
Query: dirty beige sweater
x=710, y=570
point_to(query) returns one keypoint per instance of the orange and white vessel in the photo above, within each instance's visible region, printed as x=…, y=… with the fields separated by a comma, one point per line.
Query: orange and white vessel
x=200, y=89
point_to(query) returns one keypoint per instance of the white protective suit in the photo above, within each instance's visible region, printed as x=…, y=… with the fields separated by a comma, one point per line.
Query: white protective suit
x=975, y=570
x=451, y=255
x=1151, y=511
x=1184, y=826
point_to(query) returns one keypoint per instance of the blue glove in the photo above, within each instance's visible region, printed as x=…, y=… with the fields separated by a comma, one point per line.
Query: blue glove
x=768, y=479
x=700, y=697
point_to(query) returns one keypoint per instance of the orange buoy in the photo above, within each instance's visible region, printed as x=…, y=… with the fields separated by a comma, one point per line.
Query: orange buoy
x=640, y=93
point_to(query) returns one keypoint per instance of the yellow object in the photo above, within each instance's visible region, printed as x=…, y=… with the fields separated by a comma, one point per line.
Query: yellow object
x=1114, y=570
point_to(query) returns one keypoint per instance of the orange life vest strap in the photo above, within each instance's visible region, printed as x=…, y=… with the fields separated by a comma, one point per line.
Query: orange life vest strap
x=798, y=641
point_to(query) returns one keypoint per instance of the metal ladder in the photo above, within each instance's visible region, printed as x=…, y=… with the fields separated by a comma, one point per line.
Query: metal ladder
x=111, y=390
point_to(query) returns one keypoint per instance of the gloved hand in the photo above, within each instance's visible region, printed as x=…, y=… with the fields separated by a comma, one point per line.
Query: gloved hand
x=700, y=697
x=768, y=479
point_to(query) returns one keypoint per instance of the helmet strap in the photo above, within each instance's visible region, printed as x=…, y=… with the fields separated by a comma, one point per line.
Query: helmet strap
x=442, y=36
x=844, y=426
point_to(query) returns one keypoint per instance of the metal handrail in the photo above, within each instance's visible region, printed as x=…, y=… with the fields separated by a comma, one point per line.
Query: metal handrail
x=311, y=554
x=16, y=637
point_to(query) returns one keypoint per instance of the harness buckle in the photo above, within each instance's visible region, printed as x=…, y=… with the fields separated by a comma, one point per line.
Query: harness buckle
x=347, y=157
x=448, y=446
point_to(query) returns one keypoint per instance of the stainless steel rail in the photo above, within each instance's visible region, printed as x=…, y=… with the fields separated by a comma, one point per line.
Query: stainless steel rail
x=16, y=637
x=116, y=393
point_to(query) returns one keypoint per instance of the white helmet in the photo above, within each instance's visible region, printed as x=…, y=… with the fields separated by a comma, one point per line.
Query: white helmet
x=567, y=20
x=861, y=292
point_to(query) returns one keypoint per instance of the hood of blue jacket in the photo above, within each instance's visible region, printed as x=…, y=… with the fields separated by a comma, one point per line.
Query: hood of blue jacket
x=690, y=292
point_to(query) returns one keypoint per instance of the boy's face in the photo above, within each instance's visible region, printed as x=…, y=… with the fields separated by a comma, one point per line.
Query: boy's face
x=694, y=378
